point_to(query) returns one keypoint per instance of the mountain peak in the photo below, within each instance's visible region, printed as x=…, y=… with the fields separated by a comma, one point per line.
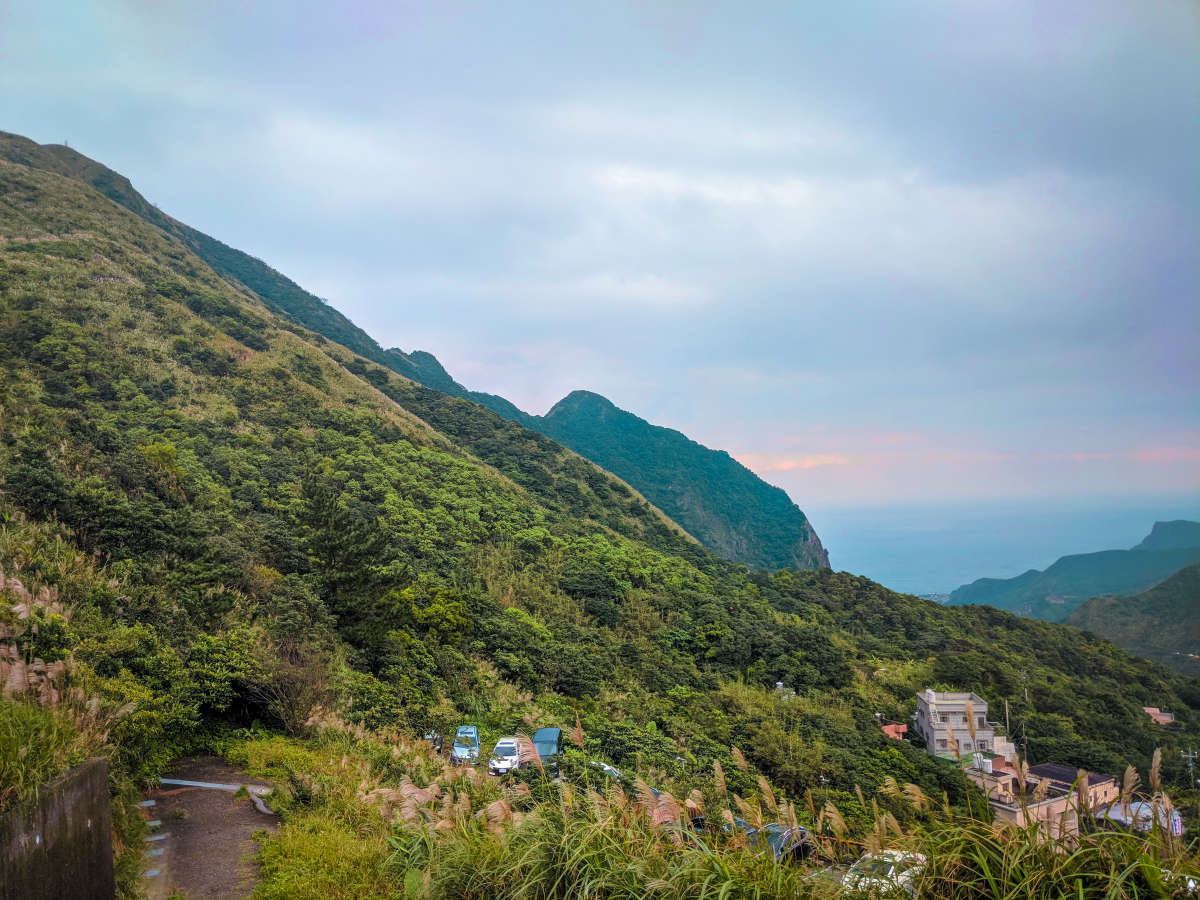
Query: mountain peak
x=581, y=400
x=715, y=498
x=1174, y=535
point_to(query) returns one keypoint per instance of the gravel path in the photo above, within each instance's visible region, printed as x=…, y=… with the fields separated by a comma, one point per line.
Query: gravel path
x=206, y=837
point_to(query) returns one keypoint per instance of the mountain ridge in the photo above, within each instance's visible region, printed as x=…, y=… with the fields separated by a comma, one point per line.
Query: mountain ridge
x=635, y=449
x=1052, y=593
x=791, y=538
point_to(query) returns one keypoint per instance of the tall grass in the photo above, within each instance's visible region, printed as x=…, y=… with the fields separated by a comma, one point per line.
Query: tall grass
x=369, y=814
x=591, y=849
x=973, y=859
x=37, y=744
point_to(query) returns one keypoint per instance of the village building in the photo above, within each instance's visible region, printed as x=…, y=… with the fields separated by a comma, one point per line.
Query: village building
x=942, y=719
x=1051, y=795
x=1159, y=716
x=1015, y=804
x=1095, y=790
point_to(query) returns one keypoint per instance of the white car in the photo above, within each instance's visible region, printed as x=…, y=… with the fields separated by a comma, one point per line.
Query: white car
x=1182, y=885
x=506, y=756
x=884, y=872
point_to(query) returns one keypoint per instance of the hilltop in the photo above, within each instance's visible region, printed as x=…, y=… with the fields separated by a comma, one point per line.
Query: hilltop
x=1052, y=594
x=718, y=501
x=1162, y=623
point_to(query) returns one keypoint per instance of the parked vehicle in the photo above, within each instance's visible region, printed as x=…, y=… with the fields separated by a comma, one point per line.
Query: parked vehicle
x=785, y=843
x=465, y=751
x=611, y=771
x=506, y=757
x=435, y=740
x=888, y=870
x=548, y=742
x=1180, y=884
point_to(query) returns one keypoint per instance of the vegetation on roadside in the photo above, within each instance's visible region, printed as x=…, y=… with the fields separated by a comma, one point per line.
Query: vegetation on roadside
x=380, y=815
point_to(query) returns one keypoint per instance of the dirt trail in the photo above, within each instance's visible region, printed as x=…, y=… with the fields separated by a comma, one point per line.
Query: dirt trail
x=205, y=835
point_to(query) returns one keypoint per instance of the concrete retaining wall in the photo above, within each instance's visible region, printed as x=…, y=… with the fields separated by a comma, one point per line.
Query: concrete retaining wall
x=62, y=845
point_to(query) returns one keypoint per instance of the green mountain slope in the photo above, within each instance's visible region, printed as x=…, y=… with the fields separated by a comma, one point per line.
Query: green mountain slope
x=273, y=523
x=1162, y=623
x=717, y=499
x=1053, y=593
x=277, y=291
x=720, y=502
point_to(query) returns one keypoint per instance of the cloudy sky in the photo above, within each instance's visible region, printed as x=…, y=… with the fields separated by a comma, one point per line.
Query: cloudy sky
x=883, y=253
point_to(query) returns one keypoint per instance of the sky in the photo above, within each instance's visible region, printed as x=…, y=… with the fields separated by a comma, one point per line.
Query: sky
x=931, y=255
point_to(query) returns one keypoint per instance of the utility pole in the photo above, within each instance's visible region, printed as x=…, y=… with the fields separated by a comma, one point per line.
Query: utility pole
x=1190, y=756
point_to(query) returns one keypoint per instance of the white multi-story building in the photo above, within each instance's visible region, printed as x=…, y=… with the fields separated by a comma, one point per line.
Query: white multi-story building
x=940, y=715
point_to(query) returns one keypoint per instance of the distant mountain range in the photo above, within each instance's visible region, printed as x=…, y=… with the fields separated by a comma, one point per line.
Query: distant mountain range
x=1162, y=623
x=1052, y=594
x=718, y=501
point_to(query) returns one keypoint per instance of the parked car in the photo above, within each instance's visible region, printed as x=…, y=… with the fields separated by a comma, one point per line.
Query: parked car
x=785, y=843
x=506, y=757
x=611, y=771
x=548, y=742
x=888, y=870
x=435, y=740
x=465, y=751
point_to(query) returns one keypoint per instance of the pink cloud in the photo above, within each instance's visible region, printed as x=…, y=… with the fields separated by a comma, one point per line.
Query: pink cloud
x=1153, y=455
x=1168, y=455
x=769, y=462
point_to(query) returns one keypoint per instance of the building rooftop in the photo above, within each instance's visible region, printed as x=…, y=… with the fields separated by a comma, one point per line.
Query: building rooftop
x=954, y=697
x=1065, y=774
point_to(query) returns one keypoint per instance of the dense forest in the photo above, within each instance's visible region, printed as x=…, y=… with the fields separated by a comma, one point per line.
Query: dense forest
x=215, y=521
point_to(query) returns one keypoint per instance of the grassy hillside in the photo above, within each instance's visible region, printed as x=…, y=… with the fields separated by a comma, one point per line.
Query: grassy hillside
x=1053, y=593
x=1162, y=623
x=721, y=503
x=223, y=524
x=274, y=289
